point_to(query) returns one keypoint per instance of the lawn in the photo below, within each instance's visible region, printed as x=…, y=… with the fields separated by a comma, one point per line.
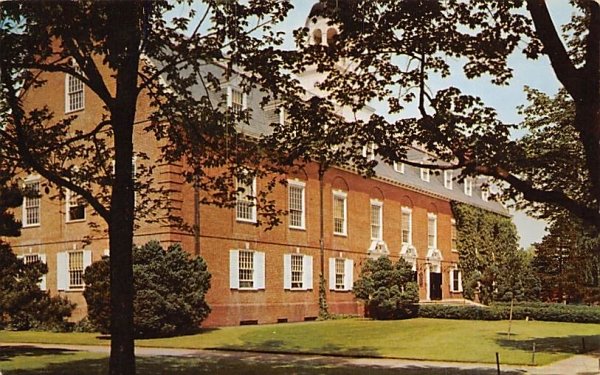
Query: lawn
x=426, y=339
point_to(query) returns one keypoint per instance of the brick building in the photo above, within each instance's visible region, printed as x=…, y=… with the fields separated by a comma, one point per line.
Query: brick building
x=258, y=276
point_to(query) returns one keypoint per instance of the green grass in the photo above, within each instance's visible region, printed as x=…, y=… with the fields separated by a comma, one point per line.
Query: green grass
x=425, y=339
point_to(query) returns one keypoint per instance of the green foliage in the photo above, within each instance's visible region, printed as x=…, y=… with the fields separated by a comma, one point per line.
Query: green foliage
x=490, y=258
x=170, y=288
x=23, y=305
x=567, y=261
x=550, y=312
x=388, y=290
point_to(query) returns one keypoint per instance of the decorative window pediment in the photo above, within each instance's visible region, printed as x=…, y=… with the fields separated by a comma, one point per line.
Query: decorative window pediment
x=378, y=248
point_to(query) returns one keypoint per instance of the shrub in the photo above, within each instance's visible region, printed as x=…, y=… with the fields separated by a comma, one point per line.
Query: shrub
x=170, y=289
x=535, y=311
x=23, y=305
x=388, y=290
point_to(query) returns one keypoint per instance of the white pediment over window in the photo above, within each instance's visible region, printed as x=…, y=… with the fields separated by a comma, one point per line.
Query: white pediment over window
x=378, y=248
x=434, y=255
x=409, y=253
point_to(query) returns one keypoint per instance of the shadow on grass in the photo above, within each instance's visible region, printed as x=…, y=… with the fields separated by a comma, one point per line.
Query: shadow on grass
x=250, y=365
x=9, y=352
x=575, y=344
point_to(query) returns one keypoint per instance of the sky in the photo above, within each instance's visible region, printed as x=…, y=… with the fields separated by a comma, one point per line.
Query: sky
x=533, y=73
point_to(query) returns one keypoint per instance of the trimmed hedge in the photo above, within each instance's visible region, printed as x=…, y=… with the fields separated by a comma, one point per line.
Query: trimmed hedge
x=535, y=311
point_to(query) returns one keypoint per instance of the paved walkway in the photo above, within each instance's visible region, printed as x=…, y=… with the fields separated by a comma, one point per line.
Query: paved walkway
x=577, y=365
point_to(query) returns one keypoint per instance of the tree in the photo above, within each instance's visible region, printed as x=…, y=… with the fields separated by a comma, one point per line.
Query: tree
x=101, y=45
x=388, y=290
x=170, y=287
x=397, y=47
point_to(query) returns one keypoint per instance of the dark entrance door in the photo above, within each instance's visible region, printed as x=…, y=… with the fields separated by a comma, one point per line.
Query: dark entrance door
x=435, y=287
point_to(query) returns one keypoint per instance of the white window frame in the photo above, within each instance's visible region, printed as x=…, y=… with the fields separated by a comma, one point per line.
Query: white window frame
x=348, y=276
x=448, y=180
x=69, y=196
x=399, y=167
x=344, y=197
x=485, y=195
x=294, y=184
x=452, y=280
x=378, y=226
x=27, y=200
x=368, y=151
x=79, y=90
x=230, y=91
x=63, y=272
x=468, y=186
x=251, y=202
x=406, y=210
x=453, y=236
x=306, y=272
x=258, y=274
x=432, y=217
x=425, y=174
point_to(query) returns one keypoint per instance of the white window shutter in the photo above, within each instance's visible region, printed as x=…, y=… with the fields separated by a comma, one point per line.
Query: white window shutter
x=87, y=258
x=259, y=270
x=308, y=272
x=348, y=274
x=451, y=278
x=61, y=270
x=234, y=274
x=332, y=273
x=244, y=101
x=460, y=289
x=43, y=281
x=229, y=97
x=287, y=271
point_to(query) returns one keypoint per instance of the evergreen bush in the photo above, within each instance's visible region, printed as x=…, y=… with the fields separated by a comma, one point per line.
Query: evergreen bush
x=170, y=289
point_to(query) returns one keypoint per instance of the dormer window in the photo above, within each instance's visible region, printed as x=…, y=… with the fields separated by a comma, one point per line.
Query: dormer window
x=236, y=100
x=74, y=93
x=425, y=174
x=468, y=186
x=331, y=36
x=317, y=37
x=399, y=167
x=369, y=151
x=448, y=180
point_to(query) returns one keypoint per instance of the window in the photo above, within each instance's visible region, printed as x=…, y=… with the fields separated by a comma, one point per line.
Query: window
x=468, y=186
x=70, y=266
x=236, y=100
x=75, y=269
x=74, y=98
x=406, y=225
x=245, y=207
x=425, y=174
x=31, y=204
x=296, y=204
x=339, y=213
x=246, y=269
x=75, y=207
x=485, y=195
x=33, y=258
x=455, y=280
x=341, y=274
x=431, y=231
x=368, y=151
x=297, y=272
x=376, y=220
x=448, y=180
x=453, y=235
x=399, y=167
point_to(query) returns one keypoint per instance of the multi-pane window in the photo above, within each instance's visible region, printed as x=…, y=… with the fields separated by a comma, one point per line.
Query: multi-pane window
x=75, y=269
x=468, y=186
x=448, y=180
x=425, y=174
x=31, y=204
x=296, y=204
x=376, y=220
x=406, y=226
x=31, y=258
x=75, y=207
x=236, y=99
x=297, y=271
x=432, y=231
x=339, y=273
x=245, y=207
x=455, y=280
x=368, y=151
x=453, y=235
x=74, y=93
x=339, y=213
x=246, y=269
